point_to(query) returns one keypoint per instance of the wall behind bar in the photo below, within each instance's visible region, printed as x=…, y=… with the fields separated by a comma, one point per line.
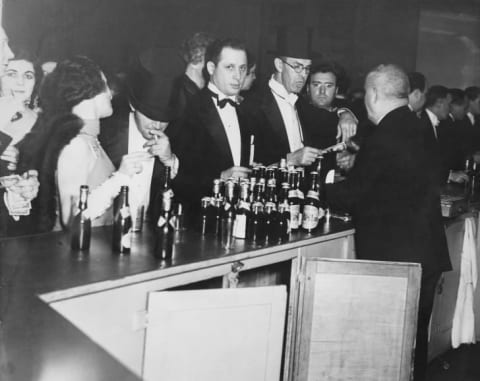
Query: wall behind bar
x=357, y=33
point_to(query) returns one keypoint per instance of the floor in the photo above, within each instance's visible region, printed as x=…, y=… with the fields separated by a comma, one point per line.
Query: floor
x=461, y=364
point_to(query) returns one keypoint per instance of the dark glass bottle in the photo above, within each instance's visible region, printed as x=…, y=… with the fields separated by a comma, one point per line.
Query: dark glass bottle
x=165, y=229
x=205, y=214
x=312, y=205
x=228, y=216
x=81, y=224
x=216, y=217
x=122, y=224
x=283, y=222
x=294, y=202
x=255, y=224
x=243, y=211
x=271, y=226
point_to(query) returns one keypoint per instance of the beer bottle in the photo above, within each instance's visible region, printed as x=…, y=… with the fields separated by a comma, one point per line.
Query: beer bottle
x=271, y=227
x=294, y=202
x=204, y=215
x=217, y=217
x=255, y=225
x=228, y=216
x=122, y=223
x=165, y=229
x=312, y=204
x=243, y=211
x=283, y=222
x=81, y=224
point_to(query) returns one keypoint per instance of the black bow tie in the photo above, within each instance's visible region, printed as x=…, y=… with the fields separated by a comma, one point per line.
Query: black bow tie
x=223, y=102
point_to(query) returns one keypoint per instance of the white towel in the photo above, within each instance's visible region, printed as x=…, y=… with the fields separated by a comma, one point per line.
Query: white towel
x=463, y=328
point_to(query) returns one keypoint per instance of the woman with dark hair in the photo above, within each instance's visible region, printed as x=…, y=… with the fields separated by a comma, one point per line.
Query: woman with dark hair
x=63, y=146
x=20, y=85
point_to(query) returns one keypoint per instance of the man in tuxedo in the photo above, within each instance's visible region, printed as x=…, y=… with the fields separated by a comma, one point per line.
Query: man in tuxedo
x=280, y=127
x=214, y=140
x=393, y=195
x=418, y=90
x=138, y=124
x=436, y=126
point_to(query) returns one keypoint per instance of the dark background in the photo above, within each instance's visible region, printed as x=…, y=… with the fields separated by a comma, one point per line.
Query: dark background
x=439, y=37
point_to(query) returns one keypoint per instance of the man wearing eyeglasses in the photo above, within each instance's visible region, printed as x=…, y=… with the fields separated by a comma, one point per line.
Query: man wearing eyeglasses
x=280, y=129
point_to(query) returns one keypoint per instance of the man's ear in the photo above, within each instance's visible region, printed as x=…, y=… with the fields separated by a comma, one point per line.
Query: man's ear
x=210, y=67
x=277, y=62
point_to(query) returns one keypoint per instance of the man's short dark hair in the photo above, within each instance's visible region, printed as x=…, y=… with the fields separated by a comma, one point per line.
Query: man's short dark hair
x=434, y=93
x=417, y=81
x=472, y=92
x=215, y=48
x=324, y=67
x=458, y=96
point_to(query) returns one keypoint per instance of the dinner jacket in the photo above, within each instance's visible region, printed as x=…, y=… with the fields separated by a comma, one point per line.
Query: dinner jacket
x=394, y=197
x=265, y=118
x=203, y=149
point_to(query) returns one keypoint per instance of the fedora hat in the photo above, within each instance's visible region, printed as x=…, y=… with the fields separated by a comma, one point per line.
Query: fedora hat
x=295, y=42
x=149, y=80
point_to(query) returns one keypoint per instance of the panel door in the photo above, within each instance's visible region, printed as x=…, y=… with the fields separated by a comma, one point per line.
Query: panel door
x=218, y=334
x=356, y=320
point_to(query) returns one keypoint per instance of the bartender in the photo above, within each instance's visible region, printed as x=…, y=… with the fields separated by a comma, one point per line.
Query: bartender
x=393, y=196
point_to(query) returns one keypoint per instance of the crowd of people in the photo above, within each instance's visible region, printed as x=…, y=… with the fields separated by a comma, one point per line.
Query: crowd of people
x=62, y=129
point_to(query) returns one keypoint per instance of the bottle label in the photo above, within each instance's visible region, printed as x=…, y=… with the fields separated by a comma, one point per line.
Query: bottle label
x=240, y=226
x=127, y=239
x=125, y=212
x=300, y=194
x=292, y=193
x=271, y=204
x=244, y=205
x=294, y=215
x=312, y=194
x=310, y=217
x=321, y=213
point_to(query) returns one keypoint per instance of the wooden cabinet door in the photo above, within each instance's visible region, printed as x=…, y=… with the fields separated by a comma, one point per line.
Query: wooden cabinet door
x=355, y=320
x=217, y=334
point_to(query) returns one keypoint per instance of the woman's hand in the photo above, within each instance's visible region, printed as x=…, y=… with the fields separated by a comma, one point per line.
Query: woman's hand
x=132, y=163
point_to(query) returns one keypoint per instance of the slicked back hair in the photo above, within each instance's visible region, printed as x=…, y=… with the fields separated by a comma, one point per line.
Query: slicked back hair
x=324, y=67
x=417, y=81
x=214, y=50
x=472, y=92
x=391, y=80
x=434, y=93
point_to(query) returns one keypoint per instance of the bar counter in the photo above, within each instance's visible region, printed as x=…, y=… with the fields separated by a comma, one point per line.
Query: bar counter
x=38, y=343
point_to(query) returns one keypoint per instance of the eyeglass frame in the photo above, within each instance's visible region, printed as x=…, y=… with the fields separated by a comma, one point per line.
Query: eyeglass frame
x=298, y=68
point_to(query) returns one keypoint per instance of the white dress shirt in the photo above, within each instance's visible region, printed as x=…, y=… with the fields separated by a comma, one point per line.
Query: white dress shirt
x=434, y=120
x=229, y=118
x=286, y=104
x=471, y=117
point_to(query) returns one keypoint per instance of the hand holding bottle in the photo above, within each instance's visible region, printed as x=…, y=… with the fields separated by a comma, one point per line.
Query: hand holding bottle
x=303, y=157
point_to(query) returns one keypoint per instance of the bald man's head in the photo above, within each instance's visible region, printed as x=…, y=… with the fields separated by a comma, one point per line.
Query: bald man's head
x=386, y=88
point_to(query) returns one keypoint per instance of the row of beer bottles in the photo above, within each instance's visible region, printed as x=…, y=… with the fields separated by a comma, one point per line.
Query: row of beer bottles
x=265, y=214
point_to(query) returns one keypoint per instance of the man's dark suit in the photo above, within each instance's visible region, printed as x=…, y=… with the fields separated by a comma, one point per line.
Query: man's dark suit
x=203, y=149
x=271, y=140
x=395, y=203
x=114, y=140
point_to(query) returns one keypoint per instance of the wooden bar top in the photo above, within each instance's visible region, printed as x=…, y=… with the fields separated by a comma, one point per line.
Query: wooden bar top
x=36, y=343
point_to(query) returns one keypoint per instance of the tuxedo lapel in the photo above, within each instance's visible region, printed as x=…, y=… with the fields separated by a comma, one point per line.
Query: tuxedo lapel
x=213, y=124
x=274, y=117
x=245, y=136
